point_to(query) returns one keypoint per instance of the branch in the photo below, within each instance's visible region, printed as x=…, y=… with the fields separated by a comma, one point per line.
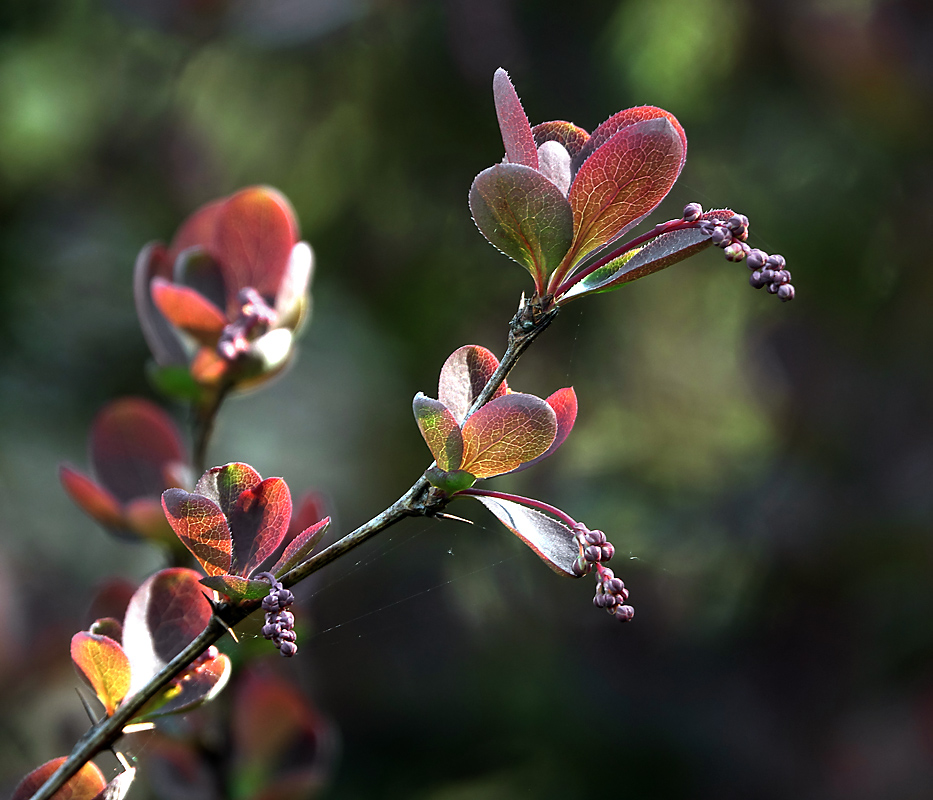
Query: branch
x=527, y=324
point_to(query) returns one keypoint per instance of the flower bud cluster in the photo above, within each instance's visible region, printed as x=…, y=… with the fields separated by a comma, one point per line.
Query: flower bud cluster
x=611, y=593
x=256, y=317
x=280, y=622
x=731, y=235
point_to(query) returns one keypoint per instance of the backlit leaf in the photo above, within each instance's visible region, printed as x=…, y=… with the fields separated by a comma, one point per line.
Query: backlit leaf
x=623, y=119
x=300, y=547
x=103, y=664
x=565, y=133
x=118, y=787
x=96, y=501
x=165, y=615
x=189, y=311
x=167, y=348
x=108, y=626
x=87, y=783
x=134, y=447
x=253, y=239
x=513, y=123
x=197, y=230
x=195, y=269
x=524, y=215
x=225, y=484
x=440, y=430
x=551, y=539
x=194, y=687
x=258, y=522
x=506, y=432
x=237, y=588
x=464, y=375
x=564, y=403
x=622, y=181
x=202, y=528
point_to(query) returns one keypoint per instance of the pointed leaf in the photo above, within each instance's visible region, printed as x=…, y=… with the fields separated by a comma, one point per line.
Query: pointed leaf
x=87, y=783
x=189, y=311
x=300, y=547
x=167, y=348
x=258, y=522
x=566, y=133
x=564, y=403
x=513, y=123
x=134, y=446
x=253, y=239
x=194, y=687
x=165, y=615
x=237, y=588
x=440, y=430
x=622, y=181
x=195, y=269
x=225, y=484
x=464, y=375
x=506, y=432
x=551, y=539
x=202, y=528
x=103, y=664
x=524, y=215
x=623, y=119
x=118, y=787
x=94, y=500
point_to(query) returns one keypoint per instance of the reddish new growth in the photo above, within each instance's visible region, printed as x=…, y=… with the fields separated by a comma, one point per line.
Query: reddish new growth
x=611, y=593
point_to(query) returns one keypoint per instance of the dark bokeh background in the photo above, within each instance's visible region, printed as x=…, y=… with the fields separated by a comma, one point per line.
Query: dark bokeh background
x=763, y=469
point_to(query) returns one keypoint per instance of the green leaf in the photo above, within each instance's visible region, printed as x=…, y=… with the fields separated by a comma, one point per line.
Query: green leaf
x=622, y=181
x=551, y=540
x=450, y=482
x=513, y=123
x=200, y=524
x=524, y=215
x=440, y=430
x=464, y=375
x=103, y=664
x=236, y=587
x=507, y=432
x=174, y=382
x=225, y=484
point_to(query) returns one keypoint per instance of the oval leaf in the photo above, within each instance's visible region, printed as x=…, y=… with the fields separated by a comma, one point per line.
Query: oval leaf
x=553, y=541
x=623, y=119
x=103, y=664
x=513, y=123
x=253, y=239
x=225, y=484
x=524, y=215
x=258, y=523
x=564, y=403
x=165, y=614
x=300, y=547
x=167, y=348
x=622, y=181
x=202, y=528
x=440, y=430
x=87, y=783
x=194, y=687
x=565, y=133
x=506, y=432
x=189, y=311
x=94, y=500
x=135, y=446
x=464, y=375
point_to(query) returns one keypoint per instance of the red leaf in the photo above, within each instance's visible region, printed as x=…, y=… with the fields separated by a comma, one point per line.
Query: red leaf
x=197, y=685
x=300, y=547
x=553, y=541
x=258, y=522
x=225, y=484
x=564, y=403
x=103, y=664
x=629, y=116
x=87, y=783
x=440, y=430
x=189, y=311
x=134, y=447
x=197, y=230
x=506, y=432
x=513, y=123
x=566, y=133
x=167, y=612
x=524, y=215
x=622, y=181
x=253, y=239
x=464, y=375
x=96, y=501
x=202, y=528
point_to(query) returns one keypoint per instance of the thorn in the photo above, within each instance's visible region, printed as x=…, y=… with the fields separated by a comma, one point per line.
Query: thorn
x=137, y=727
x=122, y=758
x=445, y=515
x=87, y=707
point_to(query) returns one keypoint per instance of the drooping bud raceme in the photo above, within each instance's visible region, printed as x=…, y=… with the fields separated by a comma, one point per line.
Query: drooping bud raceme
x=280, y=622
x=227, y=297
x=563, y=198
x=595, y=550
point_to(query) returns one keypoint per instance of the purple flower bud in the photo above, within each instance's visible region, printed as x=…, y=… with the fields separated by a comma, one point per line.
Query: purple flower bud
x=615, y=585
x=288, y=649
x=270, y=603
x=286, y=619
x=692, y=212
x=595, y=537
x=737, y=221
x=269, y=630
x=707, y=226
x=624, y=613
x=756, y=280
x=780, y=277
x=776, y=262
x=786, y=292
x=287, y=636
x=592, y=553
x=608, y=551
x=767, y=275
x=580, y=567
x=721, y=236
x=773, y=288
x=756, y=258
x=734, y=252
x=286, y=598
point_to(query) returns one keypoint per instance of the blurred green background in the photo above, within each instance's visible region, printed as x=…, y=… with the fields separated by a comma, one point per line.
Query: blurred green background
x=764, y=470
